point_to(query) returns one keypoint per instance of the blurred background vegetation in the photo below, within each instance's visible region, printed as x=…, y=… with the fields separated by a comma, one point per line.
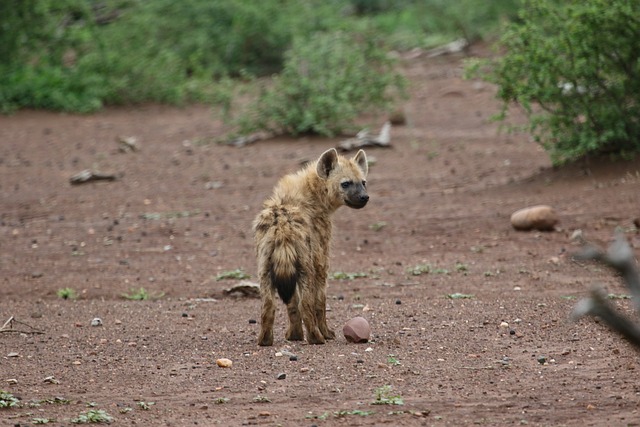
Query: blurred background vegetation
x=572, y=65
x=78, y=55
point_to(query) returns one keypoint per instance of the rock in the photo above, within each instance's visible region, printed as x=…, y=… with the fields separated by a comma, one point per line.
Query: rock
x=541, y=217
x=224, y=363
x=357, y=330
x=281, y=376
x=96, y=321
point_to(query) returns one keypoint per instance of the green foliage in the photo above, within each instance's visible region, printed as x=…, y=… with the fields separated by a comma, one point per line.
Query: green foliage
x=8, y=400
x=426, y=23
x=384, y=396
x=327, y=82
x=237, y=274
x=340, y=275
x=67, y=293
x=92, y=416
x=573, y=66
x=77, y=55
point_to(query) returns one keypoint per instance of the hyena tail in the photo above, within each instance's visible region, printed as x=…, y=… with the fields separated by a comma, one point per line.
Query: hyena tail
x=280, y=240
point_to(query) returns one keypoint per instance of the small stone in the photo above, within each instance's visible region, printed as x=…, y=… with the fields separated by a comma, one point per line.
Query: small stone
x=590, y=407
x=398, y=302
x=542, y=360
x=293, y=358
x=96, y=321
x=252, y=321
x=224, y=363
x=132, y=344
x=566, y=351
x=512, y=332
x=357, y=330
x=305, y=369
x=504, y=325
x=12, y=381
x=13, y=354
x=51, y=380
x=185, y=314
x=281, y=376
x=118, y=322
x=278, y=354
x=76, y=362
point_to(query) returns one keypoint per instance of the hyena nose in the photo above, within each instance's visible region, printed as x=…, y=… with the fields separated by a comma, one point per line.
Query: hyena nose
x=364, y=198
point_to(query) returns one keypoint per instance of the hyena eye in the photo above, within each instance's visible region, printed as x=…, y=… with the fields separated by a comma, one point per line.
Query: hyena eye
x=364, y=183
x=346, y=184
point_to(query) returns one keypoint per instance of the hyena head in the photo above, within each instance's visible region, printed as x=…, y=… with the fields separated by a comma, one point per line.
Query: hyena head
x=345, y=178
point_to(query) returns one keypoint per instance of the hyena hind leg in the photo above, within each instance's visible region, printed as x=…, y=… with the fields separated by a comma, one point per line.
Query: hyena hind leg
x=295, y=332
x=268, y=317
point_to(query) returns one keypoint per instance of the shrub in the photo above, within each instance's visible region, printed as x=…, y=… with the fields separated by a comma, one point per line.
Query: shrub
x=573, y=66
x=327, y=81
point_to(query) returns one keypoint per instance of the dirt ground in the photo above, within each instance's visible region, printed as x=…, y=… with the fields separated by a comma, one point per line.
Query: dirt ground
x=179, y=214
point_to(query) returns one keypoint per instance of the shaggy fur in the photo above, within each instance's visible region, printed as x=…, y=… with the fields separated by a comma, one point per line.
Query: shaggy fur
x=293, y=234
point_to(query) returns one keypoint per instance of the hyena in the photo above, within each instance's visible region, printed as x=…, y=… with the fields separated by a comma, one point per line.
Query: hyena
x=293, y=234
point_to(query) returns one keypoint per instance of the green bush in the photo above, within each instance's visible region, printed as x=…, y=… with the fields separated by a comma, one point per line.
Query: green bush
x=573, y=66
x=77, y=55
x=327, y=81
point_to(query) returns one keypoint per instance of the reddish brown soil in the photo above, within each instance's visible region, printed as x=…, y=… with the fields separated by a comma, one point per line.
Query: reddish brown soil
x=445, y=191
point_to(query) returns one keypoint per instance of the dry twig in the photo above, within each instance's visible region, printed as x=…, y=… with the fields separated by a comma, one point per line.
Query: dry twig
x=620, y=257
x=364, y=139
x=8, y=327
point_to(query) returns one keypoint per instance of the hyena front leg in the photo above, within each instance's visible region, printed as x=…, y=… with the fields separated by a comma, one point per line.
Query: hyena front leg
x=268, y=315
x=295, y=332
x=308, y=306
x=320, y=309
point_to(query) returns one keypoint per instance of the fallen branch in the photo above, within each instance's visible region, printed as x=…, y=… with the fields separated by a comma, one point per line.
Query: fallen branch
x=364, y=139
x=241, y=141
x=620, y=257
x=8, y=327
x=88, y=176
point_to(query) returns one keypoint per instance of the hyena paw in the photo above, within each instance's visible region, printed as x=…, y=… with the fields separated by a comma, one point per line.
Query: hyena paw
x=294, y=336
x=316, y=338
x=265, y=340
x=329, y=334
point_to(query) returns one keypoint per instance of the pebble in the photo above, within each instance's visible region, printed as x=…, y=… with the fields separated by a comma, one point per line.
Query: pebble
x=293, y=358
x=224, y=363
x=281, y=376
x=504, y=325
x=542, y=360
x=12, y=381
x=96, y=321
x=13, y=354
x=398, y=302
x=252, y=321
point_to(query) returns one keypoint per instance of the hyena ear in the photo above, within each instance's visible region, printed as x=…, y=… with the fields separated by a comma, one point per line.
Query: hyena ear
x=361, y=160
x=326, y=163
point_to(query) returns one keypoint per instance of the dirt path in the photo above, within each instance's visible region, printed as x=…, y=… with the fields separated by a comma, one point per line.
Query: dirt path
x=179, y=214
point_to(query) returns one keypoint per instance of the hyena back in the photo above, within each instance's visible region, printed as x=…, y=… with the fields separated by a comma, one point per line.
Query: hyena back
x=293, y=234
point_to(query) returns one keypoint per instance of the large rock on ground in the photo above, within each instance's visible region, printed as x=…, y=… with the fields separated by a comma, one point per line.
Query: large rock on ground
x=357, y=330
x=541, y=217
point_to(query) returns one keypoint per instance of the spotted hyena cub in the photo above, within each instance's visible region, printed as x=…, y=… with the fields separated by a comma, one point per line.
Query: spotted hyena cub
x=293, y=234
